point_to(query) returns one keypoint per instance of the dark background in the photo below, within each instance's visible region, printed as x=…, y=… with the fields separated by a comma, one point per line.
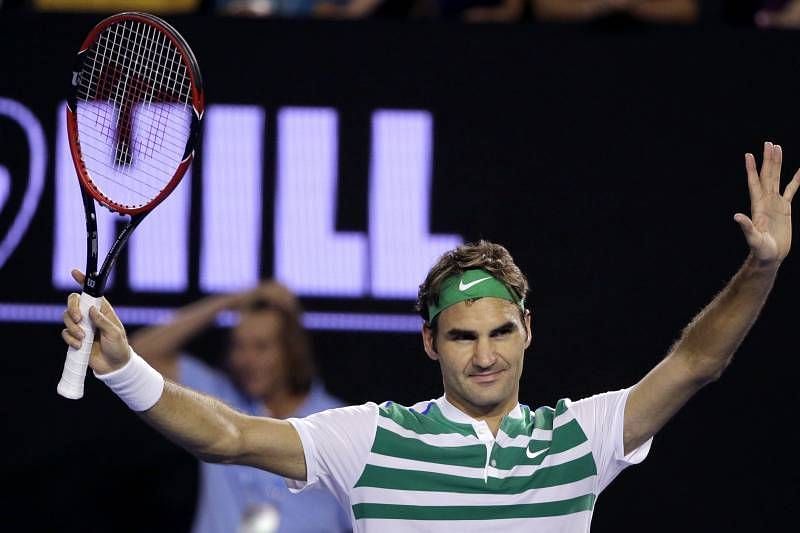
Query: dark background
x=610, y=163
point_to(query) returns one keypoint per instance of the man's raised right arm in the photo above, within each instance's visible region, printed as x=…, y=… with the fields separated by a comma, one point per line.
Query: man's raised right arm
x=202, y=425
x=215, y=433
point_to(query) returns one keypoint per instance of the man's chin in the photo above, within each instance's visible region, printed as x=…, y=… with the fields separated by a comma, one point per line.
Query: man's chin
x=487, y=400
x=489, y=396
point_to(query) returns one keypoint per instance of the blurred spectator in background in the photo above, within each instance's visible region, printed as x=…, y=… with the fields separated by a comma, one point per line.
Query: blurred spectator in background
x=779, y=14
x=270, y=372
x=658, y=11
x=324, y=9
x=114, y=6
x=347, y=9
x=245, y=8
x=761, y=13
x=266, y=8
x=471, y=10
x=502, y=11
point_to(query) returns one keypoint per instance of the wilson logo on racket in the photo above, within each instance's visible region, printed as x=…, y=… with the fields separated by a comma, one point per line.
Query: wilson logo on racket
x=132, y=121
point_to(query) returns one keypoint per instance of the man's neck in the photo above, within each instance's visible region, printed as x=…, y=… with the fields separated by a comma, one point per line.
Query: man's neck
x=493, y=422
x=492, y=415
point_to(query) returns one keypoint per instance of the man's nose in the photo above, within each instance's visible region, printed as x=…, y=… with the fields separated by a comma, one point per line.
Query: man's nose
x=485, y=355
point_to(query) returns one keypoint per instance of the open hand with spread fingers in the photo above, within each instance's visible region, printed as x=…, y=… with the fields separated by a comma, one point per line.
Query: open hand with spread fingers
x=768, y=230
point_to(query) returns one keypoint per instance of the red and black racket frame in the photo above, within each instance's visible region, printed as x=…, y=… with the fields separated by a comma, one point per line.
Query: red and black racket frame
x=95, y=280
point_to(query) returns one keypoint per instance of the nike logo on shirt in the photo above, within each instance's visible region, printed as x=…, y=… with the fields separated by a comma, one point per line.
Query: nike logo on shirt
x=534, y=455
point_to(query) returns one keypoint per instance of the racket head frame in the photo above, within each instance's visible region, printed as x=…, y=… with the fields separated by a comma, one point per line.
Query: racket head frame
x=198, y=108
x=96, y=279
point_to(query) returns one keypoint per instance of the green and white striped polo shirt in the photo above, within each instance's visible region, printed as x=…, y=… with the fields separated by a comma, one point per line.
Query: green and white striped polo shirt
x=430, y=467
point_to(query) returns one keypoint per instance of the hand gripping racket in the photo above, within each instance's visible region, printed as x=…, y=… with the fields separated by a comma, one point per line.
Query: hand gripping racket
x=133, y=119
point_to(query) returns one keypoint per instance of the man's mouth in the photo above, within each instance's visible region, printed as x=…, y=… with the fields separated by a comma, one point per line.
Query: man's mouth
x=486, y=377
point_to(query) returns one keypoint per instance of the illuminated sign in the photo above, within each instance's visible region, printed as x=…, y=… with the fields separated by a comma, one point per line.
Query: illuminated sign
x=310, y=255
x=18, y=113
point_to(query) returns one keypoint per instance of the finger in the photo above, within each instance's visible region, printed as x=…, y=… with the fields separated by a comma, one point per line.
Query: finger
x=69, y=319
x=777, y=160
x=78, y=276
x=753, y=183
x=109, y=312
x=113, y=342
x=766, y=168
x=764, y=159
x=791, y=187
x=108, y=328
x=752, y=235
x=100, y=320
x=73, y=308
x=70, y=339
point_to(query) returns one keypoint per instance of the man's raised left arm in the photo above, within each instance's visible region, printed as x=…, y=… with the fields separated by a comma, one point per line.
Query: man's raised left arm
x=708, y=343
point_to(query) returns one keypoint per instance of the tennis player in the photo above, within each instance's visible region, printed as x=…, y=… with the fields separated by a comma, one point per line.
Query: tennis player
x=475, y=458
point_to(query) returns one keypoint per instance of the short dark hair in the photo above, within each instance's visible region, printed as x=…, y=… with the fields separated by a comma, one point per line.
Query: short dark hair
x=482, y=254
x=294, y=340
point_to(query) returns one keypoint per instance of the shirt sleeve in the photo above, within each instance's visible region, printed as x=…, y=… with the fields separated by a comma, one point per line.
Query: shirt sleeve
x=336, y=444
x=602, y=419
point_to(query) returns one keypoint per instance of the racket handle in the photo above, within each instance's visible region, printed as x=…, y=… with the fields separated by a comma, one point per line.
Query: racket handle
x=71, y=384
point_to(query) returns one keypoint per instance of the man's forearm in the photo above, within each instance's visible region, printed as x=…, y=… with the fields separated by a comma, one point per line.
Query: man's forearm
x=216, y=433
x=201, y=424
x=710, y=340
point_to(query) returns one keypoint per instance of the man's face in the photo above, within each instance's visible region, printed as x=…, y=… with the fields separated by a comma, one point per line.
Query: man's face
x=480, y=347
x=256, y=357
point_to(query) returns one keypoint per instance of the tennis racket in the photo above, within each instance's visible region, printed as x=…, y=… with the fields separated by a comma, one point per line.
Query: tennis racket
x=133, y=119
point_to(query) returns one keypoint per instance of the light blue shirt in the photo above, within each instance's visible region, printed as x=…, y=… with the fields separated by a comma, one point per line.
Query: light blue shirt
x=227, y=492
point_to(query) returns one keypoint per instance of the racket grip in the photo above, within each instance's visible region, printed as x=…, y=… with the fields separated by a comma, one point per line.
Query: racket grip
x=71, y=384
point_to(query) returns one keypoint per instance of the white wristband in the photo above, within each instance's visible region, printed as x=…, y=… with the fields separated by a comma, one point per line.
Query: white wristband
x=137, y=384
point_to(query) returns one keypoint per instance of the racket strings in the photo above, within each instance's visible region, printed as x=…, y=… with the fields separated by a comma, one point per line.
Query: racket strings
x=134, y=111
x=155, y=64
x=156, y=61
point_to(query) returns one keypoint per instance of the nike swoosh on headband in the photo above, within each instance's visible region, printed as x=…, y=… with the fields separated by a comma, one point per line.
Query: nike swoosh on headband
x=464, y=286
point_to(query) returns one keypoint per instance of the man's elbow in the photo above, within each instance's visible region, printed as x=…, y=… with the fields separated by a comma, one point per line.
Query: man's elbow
x=225, y=449
x=708, y=370
x=215, y=456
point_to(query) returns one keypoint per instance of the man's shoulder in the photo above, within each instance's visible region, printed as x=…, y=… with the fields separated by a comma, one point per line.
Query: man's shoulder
x=422, y=418
x=393, y=409
x=543, y=417
x=578, y=418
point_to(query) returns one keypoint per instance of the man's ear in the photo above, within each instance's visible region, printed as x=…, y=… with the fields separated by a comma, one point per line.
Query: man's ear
x=528, y=327
x=428, y=342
